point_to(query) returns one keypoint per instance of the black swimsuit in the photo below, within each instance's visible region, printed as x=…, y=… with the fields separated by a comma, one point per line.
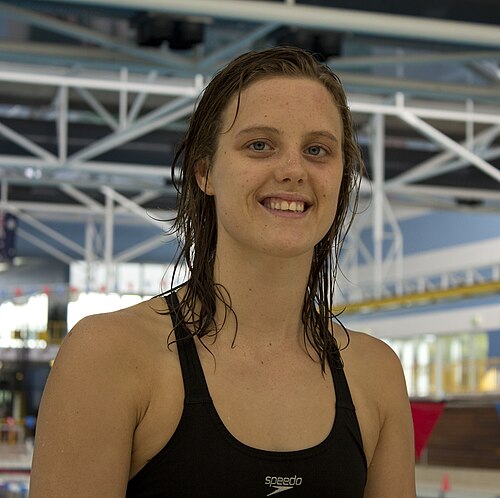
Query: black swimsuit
x=202, y=459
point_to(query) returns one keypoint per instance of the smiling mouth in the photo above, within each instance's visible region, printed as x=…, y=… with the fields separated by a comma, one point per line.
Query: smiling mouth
x=282, y=205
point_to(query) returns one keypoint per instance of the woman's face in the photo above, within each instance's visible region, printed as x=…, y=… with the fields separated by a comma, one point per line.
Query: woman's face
x=277, y=169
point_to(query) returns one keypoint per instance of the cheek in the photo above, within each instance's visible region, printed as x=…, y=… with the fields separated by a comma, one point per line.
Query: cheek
x=330, y=197
x=331, y=188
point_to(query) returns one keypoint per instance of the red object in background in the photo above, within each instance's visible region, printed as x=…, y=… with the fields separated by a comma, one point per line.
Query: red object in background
x=445, y=484
x=425, y=417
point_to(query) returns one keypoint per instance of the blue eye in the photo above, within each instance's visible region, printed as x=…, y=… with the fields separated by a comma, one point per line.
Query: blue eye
x=315, y=150
x=258, y=146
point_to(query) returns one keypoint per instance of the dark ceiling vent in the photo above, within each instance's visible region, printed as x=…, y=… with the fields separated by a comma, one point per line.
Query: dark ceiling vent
x=180, y=34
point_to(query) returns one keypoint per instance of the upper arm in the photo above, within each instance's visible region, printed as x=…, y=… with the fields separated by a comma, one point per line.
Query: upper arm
x=392, y=468
x=86, y=421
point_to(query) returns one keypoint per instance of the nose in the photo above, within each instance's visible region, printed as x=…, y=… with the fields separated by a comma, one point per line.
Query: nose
x=292, y=168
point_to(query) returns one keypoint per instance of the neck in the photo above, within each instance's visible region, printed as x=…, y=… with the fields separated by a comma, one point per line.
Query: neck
x=267, y=296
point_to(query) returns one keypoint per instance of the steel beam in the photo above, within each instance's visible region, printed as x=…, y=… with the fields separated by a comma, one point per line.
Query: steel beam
x=139, y=100
x=165, y=86
x=357, y=62
x=453, y=193
x=425, y=111
x=62, y=124
x=27, y=144
x=378, y=159
x=80, y=33
x=440, y=138
x=84, y=199
x=232, y=49
x=440, y=163
x=139, y=128
x=129, y=205
x=47, y=231
x=98, y=108
x=331, y=19
x=108, y=243
x=139, y=249
x=44, y=246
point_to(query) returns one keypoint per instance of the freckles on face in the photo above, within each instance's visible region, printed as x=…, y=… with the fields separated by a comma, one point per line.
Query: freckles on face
x=278, y=164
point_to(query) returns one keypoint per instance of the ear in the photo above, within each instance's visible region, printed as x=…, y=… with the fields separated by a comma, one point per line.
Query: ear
x=202, y=172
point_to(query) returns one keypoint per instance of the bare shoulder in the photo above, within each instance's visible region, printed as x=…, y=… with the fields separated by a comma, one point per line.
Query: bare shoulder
x=379, y=392
x=99, y=385
x=374, y=364
x=124, y=332
x=118, y=346
x=369, y=355
x=127, y=322
x=111, y=351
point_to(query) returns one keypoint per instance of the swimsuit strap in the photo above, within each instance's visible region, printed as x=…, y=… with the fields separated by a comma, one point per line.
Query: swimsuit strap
x=342, y=391
x=195, y=385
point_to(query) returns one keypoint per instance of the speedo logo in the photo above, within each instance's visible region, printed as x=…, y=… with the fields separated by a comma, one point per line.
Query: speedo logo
x=281, y=484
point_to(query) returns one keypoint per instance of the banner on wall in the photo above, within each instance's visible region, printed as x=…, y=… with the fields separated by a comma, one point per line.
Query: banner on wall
x=425, y=417
x=8, y=228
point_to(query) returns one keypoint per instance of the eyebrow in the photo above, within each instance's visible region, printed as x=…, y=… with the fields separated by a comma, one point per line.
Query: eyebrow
x=270, y=129
x=325, y=134
x=259, y=129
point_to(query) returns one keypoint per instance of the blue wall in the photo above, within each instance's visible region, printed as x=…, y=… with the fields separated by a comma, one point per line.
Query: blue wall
x=443, y=229
x=124, y=237
x=494, y=344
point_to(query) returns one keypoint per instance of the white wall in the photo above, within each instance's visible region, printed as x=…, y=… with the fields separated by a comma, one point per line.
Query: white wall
x=421, y=321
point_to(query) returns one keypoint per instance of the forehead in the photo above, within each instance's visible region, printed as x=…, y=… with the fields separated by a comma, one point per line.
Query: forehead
x=283, y=99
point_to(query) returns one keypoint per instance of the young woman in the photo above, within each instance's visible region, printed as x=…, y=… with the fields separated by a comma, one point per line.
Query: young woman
x=239, y=382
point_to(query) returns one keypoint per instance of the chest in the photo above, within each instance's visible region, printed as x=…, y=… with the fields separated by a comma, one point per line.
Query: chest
x=284, y=406
x=259, y=417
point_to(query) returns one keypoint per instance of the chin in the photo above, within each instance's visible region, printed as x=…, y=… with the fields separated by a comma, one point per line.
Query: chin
x=289, y=250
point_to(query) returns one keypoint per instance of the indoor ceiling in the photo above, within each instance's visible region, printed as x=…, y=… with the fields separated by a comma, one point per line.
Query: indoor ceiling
x=95, y=95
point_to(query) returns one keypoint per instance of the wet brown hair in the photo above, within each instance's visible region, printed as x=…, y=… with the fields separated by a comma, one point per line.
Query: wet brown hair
x=196, y=222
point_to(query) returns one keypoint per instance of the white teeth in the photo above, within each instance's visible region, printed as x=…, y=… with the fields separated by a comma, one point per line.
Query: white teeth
x=281, y=205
